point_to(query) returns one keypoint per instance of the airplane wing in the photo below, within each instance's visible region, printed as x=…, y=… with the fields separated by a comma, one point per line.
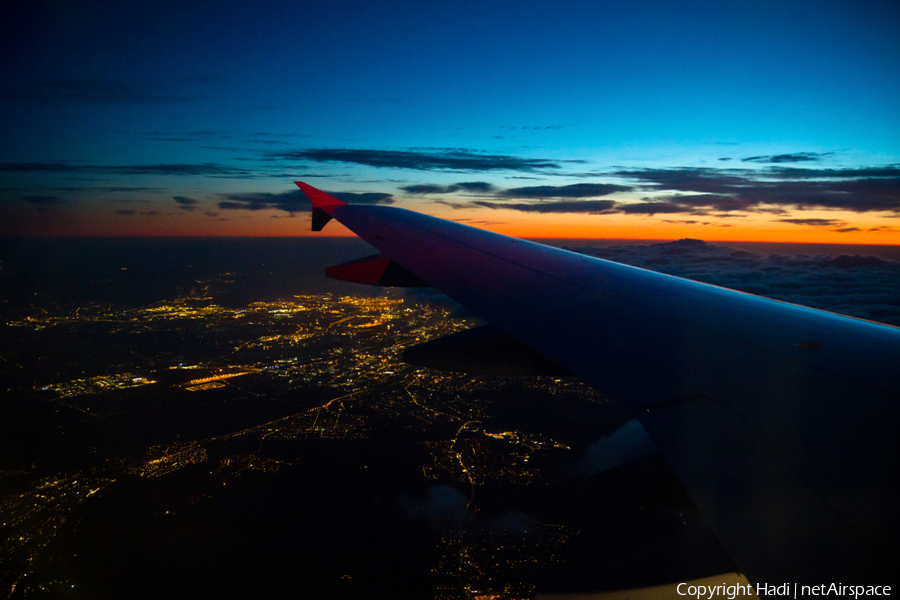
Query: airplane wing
x=781, y=421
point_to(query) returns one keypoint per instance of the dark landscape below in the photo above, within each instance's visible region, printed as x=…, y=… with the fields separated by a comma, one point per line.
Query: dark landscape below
x=215, y=418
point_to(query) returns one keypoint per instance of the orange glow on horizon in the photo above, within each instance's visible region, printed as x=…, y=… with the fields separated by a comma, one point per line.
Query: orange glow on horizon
x=867, y=229
x=790, y=234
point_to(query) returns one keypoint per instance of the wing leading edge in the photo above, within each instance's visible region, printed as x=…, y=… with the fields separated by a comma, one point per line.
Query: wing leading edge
x=780, y=420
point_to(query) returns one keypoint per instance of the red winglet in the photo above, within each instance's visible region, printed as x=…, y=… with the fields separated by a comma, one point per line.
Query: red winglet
x=375, y=270
x=369, y=270
x=320, y=200
x=323, y=205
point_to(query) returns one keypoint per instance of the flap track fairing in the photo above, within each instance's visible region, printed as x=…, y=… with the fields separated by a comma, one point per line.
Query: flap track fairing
x=482, y=350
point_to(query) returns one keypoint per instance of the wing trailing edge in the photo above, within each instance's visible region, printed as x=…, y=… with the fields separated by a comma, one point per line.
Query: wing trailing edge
x=482, y=350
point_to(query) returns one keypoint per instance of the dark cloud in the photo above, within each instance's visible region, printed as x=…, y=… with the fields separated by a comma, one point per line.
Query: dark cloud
x=185, y=203
x=364, y=198
x=861, y=286
x=711, y=192
x=178, y=169
x=481, y=187
x=577, y=190
x=454, y=205
x=886, y=172
x=652, y=208
x=695, y=222
x=106, y=188
x=449, y=159
x=425, y=189
x=858, y=190
x=814, y=222
x=702, y=204
x=789, y=158
x=487, y=222
x=593, y=207
x=711, y=188
x=44, y=167
x=294, y=200
x=467, y=186
x=855, y=195
x=210, y=169
x=41, y=200
x=130, y=212
x=95, y=91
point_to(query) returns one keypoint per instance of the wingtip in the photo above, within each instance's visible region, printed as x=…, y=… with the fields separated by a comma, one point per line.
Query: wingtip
x=320, y=200
x=323, y=204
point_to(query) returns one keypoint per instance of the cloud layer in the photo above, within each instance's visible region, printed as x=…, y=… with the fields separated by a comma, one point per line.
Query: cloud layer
x=477, y=187
x=701, y=190
x=593, y=207
x=445, y=159
x=66, y=167
x=789, y=158
x=294, y=200
x=708, y=192
x=861, y=286
x=185, y=203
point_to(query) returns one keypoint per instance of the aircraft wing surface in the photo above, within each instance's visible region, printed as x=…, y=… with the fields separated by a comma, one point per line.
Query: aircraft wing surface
x=781, y=421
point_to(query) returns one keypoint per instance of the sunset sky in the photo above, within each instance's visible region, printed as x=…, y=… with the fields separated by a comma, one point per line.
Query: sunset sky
x=766, y=121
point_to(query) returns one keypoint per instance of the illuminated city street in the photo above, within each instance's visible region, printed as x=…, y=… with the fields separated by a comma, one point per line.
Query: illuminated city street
x=237, y=388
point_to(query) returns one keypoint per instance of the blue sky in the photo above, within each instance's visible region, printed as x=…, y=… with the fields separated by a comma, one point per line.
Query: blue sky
x=111, y=112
